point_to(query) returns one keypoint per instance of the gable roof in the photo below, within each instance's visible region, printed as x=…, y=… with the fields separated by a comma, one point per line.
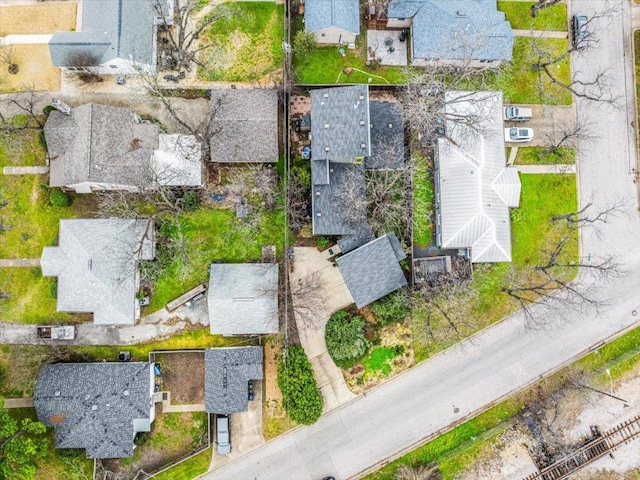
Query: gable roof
x=227, y=371
x=95, y=406
x=372, y=271
x=244, y=125
x=110, y=29
x=99, y=143
x=96, y=265
x=340, y=123
x=322, y=14
x=456, y=29
x=387, y=135
x=476, y=188
x=243, y=298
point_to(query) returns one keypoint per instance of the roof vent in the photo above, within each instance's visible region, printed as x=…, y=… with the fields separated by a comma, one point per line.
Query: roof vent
x=318, y=214
x=460, y=13
x=317, y=194
x=326, y=125
x=363, y=145
x=94, y=407
x=126, y=393
x=361, y=122
x=57, y=393
x=90, y=264
x=326, y=149
x=331, y=170
x=361, y=97
x=391, y=125
x=326, y=95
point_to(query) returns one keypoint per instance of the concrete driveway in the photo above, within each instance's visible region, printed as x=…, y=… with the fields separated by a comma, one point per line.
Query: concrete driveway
x=548, y=122
x=318, y=290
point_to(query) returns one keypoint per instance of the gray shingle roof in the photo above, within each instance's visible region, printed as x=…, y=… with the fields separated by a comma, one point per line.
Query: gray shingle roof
x=387, y=136
x=340, y=123
x=244, y=125
x=475, y=186
x=110, y=29
x=321, y=14
x=96, y=265
x=243, y=298
x=99, y=143
x=372, y=271
x=456, y=29
x=96, y=406
x=227, y=371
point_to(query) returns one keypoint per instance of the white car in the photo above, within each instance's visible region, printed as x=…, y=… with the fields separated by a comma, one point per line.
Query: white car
x=517, y=134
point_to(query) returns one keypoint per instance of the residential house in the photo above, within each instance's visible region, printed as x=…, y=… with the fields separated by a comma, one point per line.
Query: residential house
x=243, y=298
x=333, y=22
x=96, y=406
x=114, y=37
x=227, y=372
x=244, y=125
x=96, y=265
x=373, y=270
x=474, y=187
x=99, y=147
x=454, y=32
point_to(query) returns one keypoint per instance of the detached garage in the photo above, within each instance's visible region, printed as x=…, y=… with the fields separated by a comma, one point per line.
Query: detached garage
x=334, y=22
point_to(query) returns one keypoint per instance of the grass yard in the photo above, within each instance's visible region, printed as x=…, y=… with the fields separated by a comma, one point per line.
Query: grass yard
x=189, y=469
x=535, y=156
x=550, y=18
x=245, y=46
x=37, y=19
x=543, y=196
x=36, y=70
x=423, y=200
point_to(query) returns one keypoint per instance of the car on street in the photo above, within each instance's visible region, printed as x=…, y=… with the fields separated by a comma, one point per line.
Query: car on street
x=517, y=114
x=579, y=33
x=223, y=435
x=518, y=134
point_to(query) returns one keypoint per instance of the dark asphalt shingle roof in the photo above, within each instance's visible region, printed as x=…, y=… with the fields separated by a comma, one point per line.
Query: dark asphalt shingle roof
x=387, y=136
x=227, y=371
x=372, y=271
x=322, y=14
x=95, y=406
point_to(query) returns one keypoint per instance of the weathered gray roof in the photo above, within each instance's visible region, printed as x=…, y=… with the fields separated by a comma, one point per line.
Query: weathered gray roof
x=475, y=186
x=96, y=406
x=387, y=136
x=456, y=29
x=227, y=371
x=340, y=123
x=243, y=298
x=110, y=29
x=96, y=265
x=372, y=271
x=321, y=14
x=244, y=125
x=429, y=269
x=99, y=143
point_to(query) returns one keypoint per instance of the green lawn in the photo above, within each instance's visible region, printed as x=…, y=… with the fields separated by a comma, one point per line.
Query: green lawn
x=246, y=46
x=550, y=18
x=189, y=469
x=535, y=156
x=422, y=202
x=379, y=361
x=543, y=196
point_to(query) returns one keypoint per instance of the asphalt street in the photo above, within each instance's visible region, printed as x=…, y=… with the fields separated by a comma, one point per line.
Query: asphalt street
x=507, y=357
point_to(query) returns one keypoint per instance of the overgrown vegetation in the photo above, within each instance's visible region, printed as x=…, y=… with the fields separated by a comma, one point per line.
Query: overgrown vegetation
x=423, y=202
x=301, y=397
x=345, y=338
x=22, y=442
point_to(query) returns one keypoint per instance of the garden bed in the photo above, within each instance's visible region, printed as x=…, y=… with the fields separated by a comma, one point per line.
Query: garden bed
x=183, y=376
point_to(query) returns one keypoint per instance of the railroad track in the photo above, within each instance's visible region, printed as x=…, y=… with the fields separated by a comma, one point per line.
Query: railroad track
x=591, y=451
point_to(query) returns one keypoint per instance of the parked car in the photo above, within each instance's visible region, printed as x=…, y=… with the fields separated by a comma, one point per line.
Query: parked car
x=517, y=114
x=579, y=33
x=518, y=134
x=223, y=435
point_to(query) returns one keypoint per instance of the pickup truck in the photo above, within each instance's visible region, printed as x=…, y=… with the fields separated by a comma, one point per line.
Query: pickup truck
x=57, y=332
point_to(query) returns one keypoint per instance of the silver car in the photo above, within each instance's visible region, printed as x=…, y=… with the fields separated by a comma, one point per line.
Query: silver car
x=518, y=134
x=223, y=435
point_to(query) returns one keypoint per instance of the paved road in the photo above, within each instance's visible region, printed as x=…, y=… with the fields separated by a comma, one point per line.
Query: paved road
x=504, y=358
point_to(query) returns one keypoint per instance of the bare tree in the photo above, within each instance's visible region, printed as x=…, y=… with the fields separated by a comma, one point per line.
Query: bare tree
x=307, y=296
x=568, y=135
x=7, y=57
x=540, y=4
x=298, y=204
x=29, y=103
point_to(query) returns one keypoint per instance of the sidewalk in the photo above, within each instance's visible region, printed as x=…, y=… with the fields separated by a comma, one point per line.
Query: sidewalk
x=542, y=169
x=540, y=34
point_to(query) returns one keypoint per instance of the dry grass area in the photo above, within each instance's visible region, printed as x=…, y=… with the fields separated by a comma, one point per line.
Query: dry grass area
x=37, y=19
x=274, y=418
x=36, y=70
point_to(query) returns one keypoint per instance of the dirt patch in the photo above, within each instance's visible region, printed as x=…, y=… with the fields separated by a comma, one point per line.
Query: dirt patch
x=37, y=19
x=36, y=72
x=183, y=376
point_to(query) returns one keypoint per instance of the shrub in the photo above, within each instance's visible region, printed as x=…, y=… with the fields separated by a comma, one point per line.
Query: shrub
x=47, y=110
x=345, y=337
x=304, y=43
x=322, y=242
x=301, y=397
x=58, y=198
x=392, y=308
x=190, y=202
x=53, y=289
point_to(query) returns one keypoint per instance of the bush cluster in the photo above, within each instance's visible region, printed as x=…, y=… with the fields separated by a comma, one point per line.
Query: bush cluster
x=345, y=337
x=58, y=198
x=301, y=397
x=392, y=308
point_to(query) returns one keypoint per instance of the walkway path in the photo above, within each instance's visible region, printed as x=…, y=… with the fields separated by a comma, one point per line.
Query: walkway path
x=540, y=34
x=39, y=170
x=557, y=168
x=25, y=39
x=19, y=262
x=318, y=290
x=18, y=402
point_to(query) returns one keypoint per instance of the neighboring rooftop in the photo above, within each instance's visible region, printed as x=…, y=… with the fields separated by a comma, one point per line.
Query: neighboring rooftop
x=387, y=136
x=96, y=265
x=322, y=14
x=243, y=298
x=340, y=123
x=475, y=188
x=227, y=372
x=244, y=125
x=96, y=406
x=456, y=29
x=373, y=270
